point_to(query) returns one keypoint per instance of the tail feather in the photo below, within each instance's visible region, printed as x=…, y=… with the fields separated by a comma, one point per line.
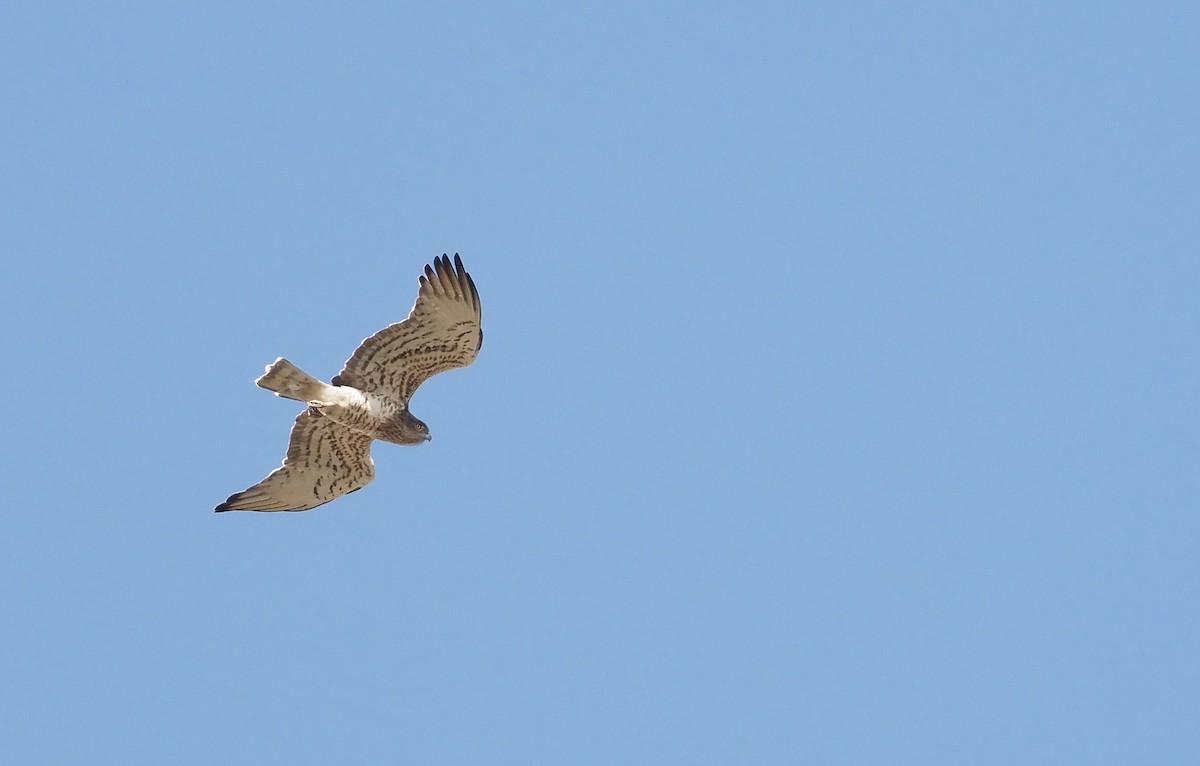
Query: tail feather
x=288, y=380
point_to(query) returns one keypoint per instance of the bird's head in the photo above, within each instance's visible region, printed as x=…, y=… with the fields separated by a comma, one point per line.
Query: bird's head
x=412, y=430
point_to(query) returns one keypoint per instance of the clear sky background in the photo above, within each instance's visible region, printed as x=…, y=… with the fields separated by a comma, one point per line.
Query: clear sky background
x=837, y=404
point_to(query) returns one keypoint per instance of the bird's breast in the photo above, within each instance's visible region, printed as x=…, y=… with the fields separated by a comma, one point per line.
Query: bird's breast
x=368, y=414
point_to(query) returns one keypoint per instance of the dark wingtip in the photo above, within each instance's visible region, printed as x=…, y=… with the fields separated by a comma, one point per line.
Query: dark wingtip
x=450, y=278
x=228, y=504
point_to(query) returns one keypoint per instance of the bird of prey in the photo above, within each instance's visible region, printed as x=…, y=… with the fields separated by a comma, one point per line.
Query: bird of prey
x=329, y=453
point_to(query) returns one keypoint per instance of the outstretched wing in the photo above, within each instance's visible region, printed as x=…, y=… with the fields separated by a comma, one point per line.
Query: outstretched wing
x=325, y=460
x=442, y=332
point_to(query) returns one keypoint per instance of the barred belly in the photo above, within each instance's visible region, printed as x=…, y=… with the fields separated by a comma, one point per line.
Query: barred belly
x=368, y=414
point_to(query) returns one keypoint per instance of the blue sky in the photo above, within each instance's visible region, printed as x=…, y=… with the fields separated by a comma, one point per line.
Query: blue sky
x=837, y=404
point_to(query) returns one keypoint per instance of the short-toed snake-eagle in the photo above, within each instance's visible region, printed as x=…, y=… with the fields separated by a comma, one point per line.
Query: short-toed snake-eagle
x=329, y=453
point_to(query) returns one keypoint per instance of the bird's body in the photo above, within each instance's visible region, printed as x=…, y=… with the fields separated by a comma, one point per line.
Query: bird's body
x=379, y=416
x=329, y=450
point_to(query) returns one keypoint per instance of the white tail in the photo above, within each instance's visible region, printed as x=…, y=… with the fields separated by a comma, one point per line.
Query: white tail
x=288, y=380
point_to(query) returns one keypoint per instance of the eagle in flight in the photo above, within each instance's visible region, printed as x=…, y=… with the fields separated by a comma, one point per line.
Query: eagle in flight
x=329, y=453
